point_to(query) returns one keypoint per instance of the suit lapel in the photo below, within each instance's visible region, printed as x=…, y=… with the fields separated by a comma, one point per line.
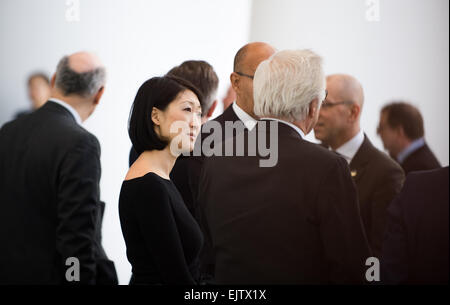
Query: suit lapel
x=360, y=160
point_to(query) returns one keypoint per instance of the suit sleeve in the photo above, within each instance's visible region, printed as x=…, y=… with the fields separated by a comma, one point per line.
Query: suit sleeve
x=157, y=223
x=343, y=237
x=394, y=260
x=390, y=185
x=78, y=199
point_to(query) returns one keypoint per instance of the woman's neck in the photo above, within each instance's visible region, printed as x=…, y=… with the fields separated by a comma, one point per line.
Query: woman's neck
x=159, y=161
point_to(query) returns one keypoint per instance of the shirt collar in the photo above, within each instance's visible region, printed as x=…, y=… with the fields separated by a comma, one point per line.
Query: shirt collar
x=248, y=121
x=415, y=145
x=69, y=108
x=300, y=132
x=349, y=149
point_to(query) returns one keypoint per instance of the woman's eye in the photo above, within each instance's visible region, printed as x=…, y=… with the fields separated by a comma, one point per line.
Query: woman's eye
x=187, y=109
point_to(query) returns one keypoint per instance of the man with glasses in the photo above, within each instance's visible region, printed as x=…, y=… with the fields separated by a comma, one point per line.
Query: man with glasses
x=241, y=112
x=377, y=177
x=246, y=61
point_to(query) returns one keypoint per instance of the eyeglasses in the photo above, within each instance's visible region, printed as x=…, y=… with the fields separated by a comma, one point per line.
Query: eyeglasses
x=327, y=104
x=246, y=75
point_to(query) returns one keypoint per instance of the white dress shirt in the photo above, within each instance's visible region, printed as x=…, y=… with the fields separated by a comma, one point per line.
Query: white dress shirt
x=351, y=147
x=248, y=121
x=68, y=107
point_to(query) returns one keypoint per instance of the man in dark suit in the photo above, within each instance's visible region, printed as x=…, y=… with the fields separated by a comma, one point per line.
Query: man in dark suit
x=292, y=218
x=377, y=177
x=415, y=249
x=50, y=212
x=402, y=132
x=239, y=117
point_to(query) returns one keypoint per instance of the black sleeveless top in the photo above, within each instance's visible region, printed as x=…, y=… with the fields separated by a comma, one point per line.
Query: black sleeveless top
x=162, y=238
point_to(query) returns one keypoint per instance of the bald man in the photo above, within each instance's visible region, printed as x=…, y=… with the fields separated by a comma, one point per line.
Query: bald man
x=50, y=209
x=246, y=61
x=239, y=116
x=377, y=177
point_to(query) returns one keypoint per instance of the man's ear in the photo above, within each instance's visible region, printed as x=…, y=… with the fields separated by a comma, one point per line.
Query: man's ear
x=211, y=109
x=156, y=116
x=355, y=110
x=313, y=108
x=234, y=78
x=53, y=80
x=99, y=95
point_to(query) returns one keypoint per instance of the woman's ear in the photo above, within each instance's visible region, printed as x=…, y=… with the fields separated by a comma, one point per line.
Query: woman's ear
x=156, y=116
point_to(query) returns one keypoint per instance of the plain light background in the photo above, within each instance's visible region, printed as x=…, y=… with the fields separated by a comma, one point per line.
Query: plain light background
x=403, y=55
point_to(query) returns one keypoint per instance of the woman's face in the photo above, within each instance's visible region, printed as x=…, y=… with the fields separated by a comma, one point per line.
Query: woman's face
x=180, y=122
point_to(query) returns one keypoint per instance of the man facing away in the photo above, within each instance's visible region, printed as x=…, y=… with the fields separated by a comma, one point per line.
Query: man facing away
x=296, y=221
x=50, y=210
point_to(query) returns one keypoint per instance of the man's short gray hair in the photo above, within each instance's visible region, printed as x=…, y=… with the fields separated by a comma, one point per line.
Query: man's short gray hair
x=83, y=84
x=287, y=82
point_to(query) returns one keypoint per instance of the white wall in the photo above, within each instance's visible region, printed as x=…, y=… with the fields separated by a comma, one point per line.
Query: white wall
x=136, y=40
x=404, y=55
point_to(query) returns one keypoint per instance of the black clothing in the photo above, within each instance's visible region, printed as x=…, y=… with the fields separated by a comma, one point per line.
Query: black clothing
x=420, y=160
x=297, y=222
x=163, y=240
x=416, y=244
x=50, y=206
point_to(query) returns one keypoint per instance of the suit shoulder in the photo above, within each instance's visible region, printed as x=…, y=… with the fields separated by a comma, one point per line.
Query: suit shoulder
x=382, y=161
x=316, y=154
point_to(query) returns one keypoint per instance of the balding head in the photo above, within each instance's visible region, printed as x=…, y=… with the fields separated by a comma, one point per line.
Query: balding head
x=246, y=61
x=346, y=88
x=339, y=119
x=79, y=81
x=82, y=62
x=251, y=55
x=80, y=74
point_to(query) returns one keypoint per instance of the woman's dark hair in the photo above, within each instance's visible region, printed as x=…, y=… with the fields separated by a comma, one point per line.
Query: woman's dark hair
x=156, y=92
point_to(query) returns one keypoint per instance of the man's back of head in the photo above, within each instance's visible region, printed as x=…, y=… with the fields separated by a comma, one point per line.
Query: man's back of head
x=79, y=81
x=202, y=75
x=290, y=86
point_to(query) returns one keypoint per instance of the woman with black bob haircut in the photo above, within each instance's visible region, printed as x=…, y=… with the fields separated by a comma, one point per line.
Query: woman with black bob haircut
x=163, y=240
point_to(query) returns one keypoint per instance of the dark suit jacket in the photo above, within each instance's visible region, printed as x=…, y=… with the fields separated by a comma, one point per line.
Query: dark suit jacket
x=415, y=249
x=50, y=208
x=378, y=179
x=295, y=223
x=186, y=174
x=421, y=159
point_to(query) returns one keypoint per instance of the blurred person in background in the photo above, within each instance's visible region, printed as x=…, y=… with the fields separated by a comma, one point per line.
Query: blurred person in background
x=38, y=86
x=229, y=98
x=402, y=132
